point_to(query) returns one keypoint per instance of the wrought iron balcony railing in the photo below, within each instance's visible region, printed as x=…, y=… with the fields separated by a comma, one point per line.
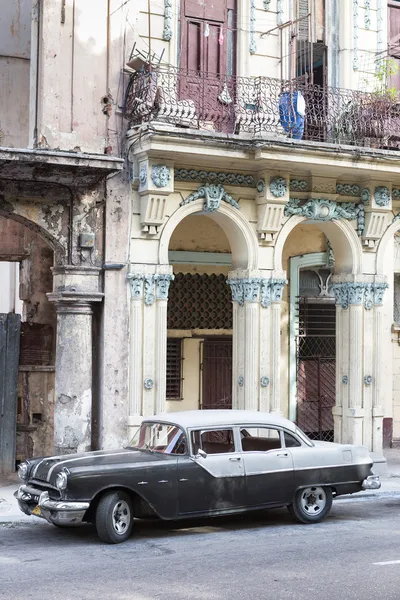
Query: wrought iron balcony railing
x=262, y=105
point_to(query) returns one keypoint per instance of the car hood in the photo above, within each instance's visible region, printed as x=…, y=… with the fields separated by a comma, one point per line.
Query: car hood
x=47, y=468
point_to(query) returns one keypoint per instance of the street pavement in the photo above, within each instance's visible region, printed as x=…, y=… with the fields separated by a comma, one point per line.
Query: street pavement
x=354, y=554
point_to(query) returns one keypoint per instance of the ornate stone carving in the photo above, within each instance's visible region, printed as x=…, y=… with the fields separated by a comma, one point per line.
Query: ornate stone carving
x=241, y=380
x=382, y=195
x=257, y=289
x=148, y=384
x=260, y=186
x=264, y=382
x=213, y=177
x=143, y=176
x=266, y=4
x=150, y=286
x=160, y=175
x=298, y=185
x=252, y=44
x=369, y=294
x=213, y=194
x=365, y=196
x=348, y=189
x=167, y=32
x=162, y=285
x=149, y=290
x=367, y=14
x=345, y=379
x=368, y=379
x=278, y=187
x=396, y=194
x=322, y=210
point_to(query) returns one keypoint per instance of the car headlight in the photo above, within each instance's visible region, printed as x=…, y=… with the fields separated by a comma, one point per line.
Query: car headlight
x=23, y=471
x=61, y=480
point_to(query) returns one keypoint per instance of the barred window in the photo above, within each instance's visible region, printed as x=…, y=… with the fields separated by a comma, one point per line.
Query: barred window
x=174, y=368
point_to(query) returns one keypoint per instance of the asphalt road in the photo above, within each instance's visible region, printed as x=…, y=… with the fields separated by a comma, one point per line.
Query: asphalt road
x=259, y=556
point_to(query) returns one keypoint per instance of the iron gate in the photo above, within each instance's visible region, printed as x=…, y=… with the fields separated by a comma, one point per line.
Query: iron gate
x=316, y=367
x=217, y=374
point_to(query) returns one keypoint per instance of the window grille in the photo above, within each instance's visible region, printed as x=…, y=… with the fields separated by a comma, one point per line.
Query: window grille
x=174, y=368
x=199, y=302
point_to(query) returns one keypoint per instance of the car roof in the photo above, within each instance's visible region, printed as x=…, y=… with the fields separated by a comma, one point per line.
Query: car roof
x=208, y=418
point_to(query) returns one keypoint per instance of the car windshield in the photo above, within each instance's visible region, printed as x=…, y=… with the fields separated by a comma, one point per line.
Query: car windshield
x=159, y=437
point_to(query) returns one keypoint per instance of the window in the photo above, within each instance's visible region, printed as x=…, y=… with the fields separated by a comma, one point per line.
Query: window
x=160, y=437
x=174, y=369
x=290, y=440
x=260, y=439
x=213, y=442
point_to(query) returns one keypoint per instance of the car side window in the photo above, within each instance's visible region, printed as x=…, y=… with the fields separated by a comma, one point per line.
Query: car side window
x=215, y=441
x=290, y=440
x=260, y=439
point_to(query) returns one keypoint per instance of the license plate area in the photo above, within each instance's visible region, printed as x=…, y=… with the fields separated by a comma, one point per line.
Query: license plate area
x=36, y=511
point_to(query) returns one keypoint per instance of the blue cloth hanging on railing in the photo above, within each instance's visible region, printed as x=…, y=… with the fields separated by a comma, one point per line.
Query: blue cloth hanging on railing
x=292, y=113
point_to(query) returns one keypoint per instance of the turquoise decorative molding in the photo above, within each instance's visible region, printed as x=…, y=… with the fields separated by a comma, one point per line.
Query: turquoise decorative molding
x=149, y=287
x=241, y=380
x=298, y=185
x=167, y=32
x=367, y=14
x=348, y=189
x=396, y=193
x=252, y=44
x=355, y=35
x=213, y=194
x=278, y=187
x=143, y=176
x=266, y=4
x=148, y=384
x=213, y=177
x=369, y=294
x=257, y=289
x=260, y=186
x=327, y=210
x=382, y=195
x=368, y=379
x=264, y=382
x=345, y=379
x=160, y=175
x=365, y=196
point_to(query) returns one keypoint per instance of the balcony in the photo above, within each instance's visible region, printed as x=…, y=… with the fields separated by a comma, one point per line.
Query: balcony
x=262, y=107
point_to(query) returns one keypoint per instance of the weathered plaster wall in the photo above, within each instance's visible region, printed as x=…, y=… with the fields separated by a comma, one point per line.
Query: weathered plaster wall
x=199, y=234
x=15, y=37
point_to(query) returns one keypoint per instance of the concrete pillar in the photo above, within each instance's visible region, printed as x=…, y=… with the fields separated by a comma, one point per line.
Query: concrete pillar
x=75, y=289
x=256, y=339
x=149, y=285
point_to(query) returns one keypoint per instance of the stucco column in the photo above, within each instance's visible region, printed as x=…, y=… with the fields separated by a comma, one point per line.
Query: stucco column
x=75, y=291
x=256, y=339
x=149, y=285
x=337, y=410
x=378, y=400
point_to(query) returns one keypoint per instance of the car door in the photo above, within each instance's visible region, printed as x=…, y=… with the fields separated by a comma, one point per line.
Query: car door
x=268, y=466
x=212, y=482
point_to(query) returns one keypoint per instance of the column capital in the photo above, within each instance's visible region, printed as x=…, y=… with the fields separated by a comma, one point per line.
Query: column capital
x=249, y=286
x=367, y=290
x=150, y=286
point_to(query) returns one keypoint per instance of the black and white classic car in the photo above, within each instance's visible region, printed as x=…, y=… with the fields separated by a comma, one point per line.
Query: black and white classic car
x=195, y=463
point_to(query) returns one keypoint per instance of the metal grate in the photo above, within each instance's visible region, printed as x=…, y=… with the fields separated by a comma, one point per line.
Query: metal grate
x=316, y=367
x=174, y=368
x=199, y=302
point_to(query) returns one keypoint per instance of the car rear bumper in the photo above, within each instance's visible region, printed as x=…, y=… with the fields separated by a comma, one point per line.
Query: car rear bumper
x=372, y=482
x=59, y=512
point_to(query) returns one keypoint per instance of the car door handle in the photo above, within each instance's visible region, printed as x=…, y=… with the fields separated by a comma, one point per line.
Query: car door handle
x=282, y=454
x=234, y=458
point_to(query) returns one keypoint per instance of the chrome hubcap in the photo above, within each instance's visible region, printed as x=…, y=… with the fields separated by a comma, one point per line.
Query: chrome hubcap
x=313, y=500
x=121, y=517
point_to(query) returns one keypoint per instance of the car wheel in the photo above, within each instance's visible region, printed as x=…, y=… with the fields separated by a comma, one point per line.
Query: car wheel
x=311, y=504
x=114, y=518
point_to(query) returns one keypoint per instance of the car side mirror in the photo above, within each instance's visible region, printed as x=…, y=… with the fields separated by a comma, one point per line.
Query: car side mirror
x=201, y=454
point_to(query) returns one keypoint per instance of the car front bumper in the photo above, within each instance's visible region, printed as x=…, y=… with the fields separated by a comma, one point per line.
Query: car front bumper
x=371, y=483
x=58, y=512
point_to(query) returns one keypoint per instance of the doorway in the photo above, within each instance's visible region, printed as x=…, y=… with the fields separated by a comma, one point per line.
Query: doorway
x=216, y=370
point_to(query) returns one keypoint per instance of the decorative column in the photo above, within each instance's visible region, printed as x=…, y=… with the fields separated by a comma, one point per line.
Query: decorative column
x=358, y=420
x=149, y=286
x=75, y=291
x=256, y=339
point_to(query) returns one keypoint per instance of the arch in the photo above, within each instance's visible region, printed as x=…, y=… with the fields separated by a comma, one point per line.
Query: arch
x=241, y=236
x=43, y=233
x=344, y=239
x=383, y=247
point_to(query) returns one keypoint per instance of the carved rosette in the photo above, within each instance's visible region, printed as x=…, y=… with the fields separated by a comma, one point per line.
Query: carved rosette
x=382, y=195
x=160, y=175
x=265, y=291
x=278, y=187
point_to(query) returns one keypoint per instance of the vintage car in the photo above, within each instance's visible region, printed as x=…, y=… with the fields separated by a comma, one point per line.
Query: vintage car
x=195, y=463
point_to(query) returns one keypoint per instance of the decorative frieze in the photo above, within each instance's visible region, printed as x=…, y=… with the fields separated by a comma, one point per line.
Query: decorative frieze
x=150, y=287
x=167, y=32
x=322, y=210
x=278, y=187
x=257, y=289
x=240, y=179
x=298, y=185
x=213, y=194
x=366, y=293
x=348, y=189
x=252, y=44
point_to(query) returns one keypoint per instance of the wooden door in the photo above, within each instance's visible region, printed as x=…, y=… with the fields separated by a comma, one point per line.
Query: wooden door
x=207, y=58
x=9, y=358
x=217, y=374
